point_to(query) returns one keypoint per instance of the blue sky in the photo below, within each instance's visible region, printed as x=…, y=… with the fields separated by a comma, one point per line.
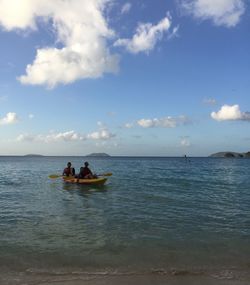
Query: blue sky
x=163, y=78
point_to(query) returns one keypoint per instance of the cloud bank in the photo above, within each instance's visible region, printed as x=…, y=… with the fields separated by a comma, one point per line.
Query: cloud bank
x=146, y=36
x=52, y=137
x=222, y=12
x=80, y=28
x=167, y=122
x=69, y=136
x=230, y=113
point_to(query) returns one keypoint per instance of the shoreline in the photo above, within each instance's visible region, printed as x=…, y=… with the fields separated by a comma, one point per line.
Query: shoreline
x=158, y=278
x=70, y=276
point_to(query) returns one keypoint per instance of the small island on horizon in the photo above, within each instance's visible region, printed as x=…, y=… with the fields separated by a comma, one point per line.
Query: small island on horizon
x=231, y=154
x=33, y=155
x=98, y=154
x=222, y=154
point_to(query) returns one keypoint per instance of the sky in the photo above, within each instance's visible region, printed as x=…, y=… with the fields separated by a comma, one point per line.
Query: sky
x=137, y=78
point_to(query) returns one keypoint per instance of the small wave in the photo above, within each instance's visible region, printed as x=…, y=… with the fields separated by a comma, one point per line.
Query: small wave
x=33, y=276
x=224, y=274
x=178, y=272
x=107, y=276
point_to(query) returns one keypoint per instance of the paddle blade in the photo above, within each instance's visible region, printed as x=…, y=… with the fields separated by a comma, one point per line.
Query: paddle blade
x=54, y=176
x=105, y=174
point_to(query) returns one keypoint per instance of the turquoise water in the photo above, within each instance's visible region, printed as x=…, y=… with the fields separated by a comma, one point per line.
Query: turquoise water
x=154, y=215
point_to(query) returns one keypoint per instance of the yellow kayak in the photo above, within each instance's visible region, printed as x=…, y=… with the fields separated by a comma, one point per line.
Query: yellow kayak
x=94, y=181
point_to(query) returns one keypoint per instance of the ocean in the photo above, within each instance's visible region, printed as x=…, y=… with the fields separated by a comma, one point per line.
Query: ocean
x=156, y=221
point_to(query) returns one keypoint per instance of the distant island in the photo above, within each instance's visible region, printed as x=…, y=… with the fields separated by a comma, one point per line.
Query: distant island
x=98, y=154
x=33, y=155
x=231, y=154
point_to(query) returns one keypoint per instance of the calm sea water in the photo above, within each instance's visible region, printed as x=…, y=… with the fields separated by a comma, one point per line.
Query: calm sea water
x=154, y=215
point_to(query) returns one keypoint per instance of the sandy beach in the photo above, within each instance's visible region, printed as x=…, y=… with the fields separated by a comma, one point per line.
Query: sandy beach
x=121, y=280
x=157, y=278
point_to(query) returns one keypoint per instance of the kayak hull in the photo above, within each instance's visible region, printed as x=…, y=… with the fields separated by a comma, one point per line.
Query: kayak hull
x=95, y=181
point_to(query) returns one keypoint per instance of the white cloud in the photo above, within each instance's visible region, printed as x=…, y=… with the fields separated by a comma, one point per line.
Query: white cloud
x=146, y=36
x=10, y=118
x=167, y=122
x=69, y=136
x=221, y=12
x=66, y=136
x=126, y=8
x=16, y=14
x=102, y=134
x=230, y=113
x=52, y=137
x=79, y=26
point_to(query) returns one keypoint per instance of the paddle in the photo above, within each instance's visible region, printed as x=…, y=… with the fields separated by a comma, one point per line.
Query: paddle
x=54, y=176
x=105, y=174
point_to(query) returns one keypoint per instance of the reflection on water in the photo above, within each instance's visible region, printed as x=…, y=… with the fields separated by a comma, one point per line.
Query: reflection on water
x=84, y=189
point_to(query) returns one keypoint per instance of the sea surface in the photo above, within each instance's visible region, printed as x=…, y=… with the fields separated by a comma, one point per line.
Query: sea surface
x=167, y=217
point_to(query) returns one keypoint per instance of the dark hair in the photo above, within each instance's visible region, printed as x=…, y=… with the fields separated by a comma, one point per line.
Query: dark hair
x=86, y=163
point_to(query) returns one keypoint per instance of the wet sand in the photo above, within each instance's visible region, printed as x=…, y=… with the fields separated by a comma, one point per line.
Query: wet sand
x=131, y=279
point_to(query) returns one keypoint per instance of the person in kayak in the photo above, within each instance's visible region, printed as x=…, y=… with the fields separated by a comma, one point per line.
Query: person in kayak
x=69, y=171
x=85, y=172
